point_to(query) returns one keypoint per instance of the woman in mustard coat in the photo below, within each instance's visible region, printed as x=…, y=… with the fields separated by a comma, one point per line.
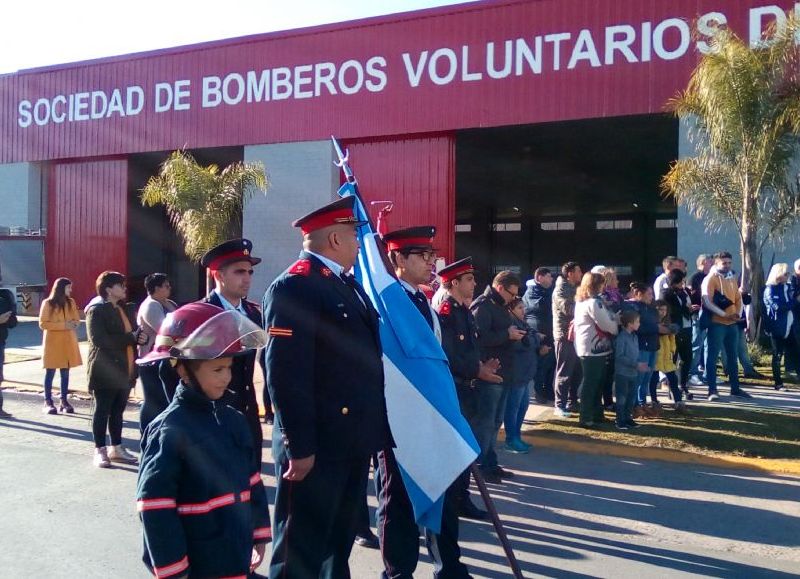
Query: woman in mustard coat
x=58, y=318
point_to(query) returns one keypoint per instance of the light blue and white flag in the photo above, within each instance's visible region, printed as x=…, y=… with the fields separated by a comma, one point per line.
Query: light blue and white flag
x=434, y=442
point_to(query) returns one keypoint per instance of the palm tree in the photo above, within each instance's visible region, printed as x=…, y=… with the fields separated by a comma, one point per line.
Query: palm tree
x=204, y=204
x=745, y=106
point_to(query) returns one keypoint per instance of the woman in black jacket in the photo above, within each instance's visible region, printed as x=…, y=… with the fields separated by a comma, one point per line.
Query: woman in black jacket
x=680, y=314
x=112, y=336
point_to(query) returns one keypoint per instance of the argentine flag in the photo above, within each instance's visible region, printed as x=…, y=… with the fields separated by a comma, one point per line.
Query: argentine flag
x=434, y=442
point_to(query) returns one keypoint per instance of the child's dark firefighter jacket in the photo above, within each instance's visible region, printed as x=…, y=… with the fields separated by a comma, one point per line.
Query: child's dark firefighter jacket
x=200, y=495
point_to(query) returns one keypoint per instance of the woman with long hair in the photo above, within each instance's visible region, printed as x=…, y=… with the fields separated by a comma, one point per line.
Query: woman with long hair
x=595, y=328
x=778, y=301
x=59, y=318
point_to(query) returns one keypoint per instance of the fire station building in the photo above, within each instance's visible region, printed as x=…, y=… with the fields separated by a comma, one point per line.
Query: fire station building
x=530, y=132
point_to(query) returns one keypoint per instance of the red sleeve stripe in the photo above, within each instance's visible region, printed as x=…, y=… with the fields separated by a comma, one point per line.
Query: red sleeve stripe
x=153, y=504
x=173, y=569
x=262, y=533
x=235, y=577
x=215, y=503
x=255, y=479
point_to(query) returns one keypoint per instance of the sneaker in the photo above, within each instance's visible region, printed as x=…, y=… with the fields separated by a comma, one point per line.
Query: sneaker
x=680, y=408
x=588, y=424
x=632, y=424
x=740, y=393
x=755, y=375
x=516, y=446
x=713, y=397
x=101, y=458
x=778, y=387
x=525, y=444
x=49, y=407
x=4, y=414
x=65, y=408
x=685, y=390
x=696, y=381
x=492, y=477
x=622, y=426
x=119, y=454
x=561, y=413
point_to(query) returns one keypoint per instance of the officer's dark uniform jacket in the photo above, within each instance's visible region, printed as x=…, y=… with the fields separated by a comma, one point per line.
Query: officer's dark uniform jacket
x=459, y=340
x=324, y=366
x=241, y=391
x=200, y=494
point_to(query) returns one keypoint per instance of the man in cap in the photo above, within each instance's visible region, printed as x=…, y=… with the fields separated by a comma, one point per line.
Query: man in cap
x=325, y=377
x=412, y=255
x=460, y=343
x=231, y=266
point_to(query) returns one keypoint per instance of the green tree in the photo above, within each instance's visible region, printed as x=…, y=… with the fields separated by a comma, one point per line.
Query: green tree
x=743, y=104
x=204, y=204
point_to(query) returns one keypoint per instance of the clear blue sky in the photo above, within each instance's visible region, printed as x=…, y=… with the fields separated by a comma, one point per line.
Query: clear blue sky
x=46, y=32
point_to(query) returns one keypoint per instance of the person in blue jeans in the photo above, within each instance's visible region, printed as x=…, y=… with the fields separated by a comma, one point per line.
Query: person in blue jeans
x=721, y=296
x=642, y=302
x=526, y=355
x=496, y=336
x=627, y=368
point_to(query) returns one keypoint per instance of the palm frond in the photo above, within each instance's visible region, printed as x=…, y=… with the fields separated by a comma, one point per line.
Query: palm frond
x=203, y=202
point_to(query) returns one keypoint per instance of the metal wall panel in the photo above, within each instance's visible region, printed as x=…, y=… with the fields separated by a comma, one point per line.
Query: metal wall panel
x=417, y=175
x=88, y=223
x=557, y=92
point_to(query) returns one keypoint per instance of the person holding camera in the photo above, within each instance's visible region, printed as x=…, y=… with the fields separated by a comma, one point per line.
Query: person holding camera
x=721, y=297
x=113, y=335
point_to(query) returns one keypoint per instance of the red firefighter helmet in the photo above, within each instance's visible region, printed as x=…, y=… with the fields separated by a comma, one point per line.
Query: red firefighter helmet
x=202, y=331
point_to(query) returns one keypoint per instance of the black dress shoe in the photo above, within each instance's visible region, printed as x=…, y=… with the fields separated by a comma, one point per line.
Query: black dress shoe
x=502, y=473
x=741, y=394
x=367, y=539
x=492, y=477
x=468, y=510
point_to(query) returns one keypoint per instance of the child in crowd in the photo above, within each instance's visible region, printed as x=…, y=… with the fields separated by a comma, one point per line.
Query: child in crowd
x=200, y=496
x=526, y=355
x=665, y=360
x=627, y=368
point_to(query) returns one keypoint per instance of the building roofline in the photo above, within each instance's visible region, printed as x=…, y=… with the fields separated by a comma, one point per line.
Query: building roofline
x=437, y=11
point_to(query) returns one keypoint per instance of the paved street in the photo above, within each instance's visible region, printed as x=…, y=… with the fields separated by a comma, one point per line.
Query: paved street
x=568, y=515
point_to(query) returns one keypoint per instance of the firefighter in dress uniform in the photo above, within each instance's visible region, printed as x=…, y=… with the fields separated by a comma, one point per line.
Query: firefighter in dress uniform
x=231, y=266
x=325, y=378
x=460, y=343
x=412, y=254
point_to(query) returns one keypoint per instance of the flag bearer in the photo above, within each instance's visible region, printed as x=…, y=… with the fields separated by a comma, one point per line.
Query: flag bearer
x=412, y=254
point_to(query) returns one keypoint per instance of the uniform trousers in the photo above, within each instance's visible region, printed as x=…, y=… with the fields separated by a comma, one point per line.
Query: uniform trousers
x=316, y=518
x=399, y=533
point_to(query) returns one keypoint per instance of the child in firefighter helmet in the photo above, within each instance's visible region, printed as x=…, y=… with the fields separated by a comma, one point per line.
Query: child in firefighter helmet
x=200, y=496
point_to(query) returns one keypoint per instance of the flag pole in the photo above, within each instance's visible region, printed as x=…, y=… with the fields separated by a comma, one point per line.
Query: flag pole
x=342, y=163
x=498, y=525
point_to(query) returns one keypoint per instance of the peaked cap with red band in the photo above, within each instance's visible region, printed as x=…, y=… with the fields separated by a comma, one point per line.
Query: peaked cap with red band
x=455, y=269
x=230, y=251
x=336, y=213
x=410, y=238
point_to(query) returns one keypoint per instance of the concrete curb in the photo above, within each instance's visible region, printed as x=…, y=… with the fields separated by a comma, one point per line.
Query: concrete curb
x=565, y=443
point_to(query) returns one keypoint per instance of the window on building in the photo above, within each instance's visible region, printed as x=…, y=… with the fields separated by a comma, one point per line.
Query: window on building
x=558, y=226
x=666, y=223
x=506, y=226
x=614, y=224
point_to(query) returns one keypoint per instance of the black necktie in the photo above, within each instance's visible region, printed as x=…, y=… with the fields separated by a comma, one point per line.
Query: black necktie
x=421, y=302
x=351, y=282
